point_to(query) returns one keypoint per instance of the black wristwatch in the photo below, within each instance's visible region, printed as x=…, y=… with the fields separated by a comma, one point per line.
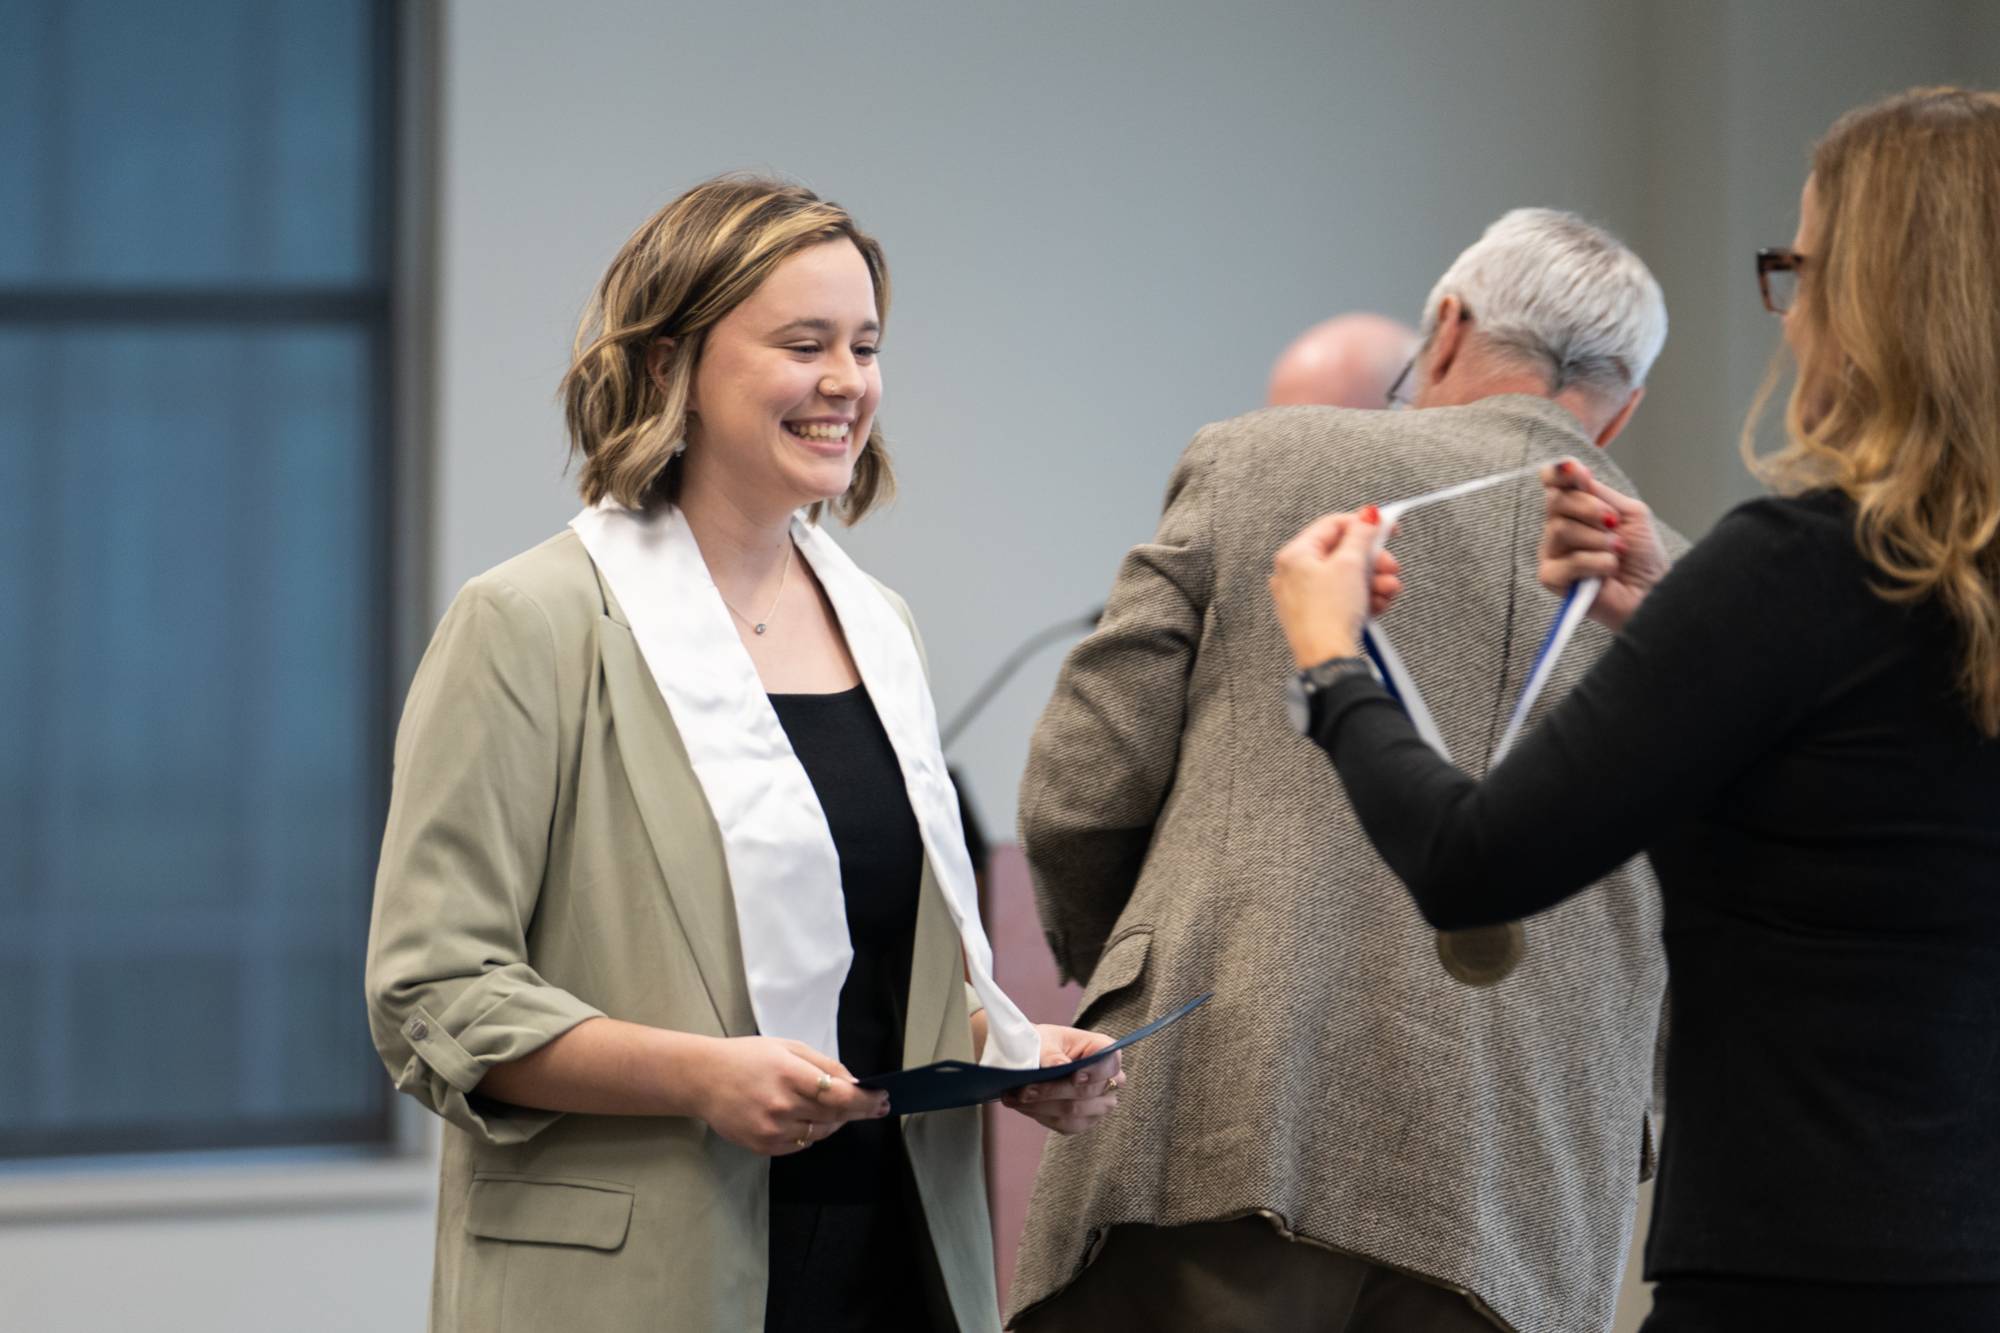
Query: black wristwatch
x=1301, y=689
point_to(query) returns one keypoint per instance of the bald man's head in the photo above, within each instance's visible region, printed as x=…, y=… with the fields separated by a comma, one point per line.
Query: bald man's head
x=1347, y=361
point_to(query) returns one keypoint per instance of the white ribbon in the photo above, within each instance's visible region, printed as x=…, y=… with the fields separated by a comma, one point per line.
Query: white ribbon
x=1396, y=677
x=784, y=872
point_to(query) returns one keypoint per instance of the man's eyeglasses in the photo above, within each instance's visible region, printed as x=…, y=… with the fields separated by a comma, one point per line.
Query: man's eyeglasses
x=1778, y=277
x=1403, y=391
x=1399, y=392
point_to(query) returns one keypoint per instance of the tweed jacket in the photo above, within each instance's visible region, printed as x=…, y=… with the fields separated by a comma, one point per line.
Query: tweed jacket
x=550, y=857
x=1184, y=838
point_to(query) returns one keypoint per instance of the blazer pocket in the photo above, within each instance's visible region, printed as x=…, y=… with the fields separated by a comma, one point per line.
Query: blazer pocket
x=1121, y=966
x=549, y=1210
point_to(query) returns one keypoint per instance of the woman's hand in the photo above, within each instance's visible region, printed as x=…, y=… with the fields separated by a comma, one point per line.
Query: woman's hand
x=1073, y=1104
x=1328, y=581
x=1593, y=531
x=776, y=1097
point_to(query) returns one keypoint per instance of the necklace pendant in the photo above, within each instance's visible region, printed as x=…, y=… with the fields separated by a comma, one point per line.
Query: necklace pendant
x=759, y=628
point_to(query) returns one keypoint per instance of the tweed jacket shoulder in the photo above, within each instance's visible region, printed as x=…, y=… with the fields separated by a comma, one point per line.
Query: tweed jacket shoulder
x=549, y=857
x=1183, y=837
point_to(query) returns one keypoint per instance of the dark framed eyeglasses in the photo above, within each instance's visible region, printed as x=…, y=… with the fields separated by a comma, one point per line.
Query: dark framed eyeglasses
x=1399, y=389
x=1778, y=277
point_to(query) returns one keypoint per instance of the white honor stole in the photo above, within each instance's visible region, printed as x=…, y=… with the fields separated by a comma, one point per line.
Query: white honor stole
x=784, y=872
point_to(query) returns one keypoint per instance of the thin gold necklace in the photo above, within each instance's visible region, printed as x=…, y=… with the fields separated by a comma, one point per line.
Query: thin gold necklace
x=761, y=625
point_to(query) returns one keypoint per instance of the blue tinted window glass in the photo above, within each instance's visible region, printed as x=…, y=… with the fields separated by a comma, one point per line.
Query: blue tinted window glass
x=204, y=141
x=21, y=464
x=193, y=606
x=20, y=991
x=166, y=1027
x=192, y=623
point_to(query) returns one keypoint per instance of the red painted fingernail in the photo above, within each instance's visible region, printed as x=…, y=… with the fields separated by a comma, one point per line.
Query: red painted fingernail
x=1563, y=468
x=1370, y=515
x=1611, y=520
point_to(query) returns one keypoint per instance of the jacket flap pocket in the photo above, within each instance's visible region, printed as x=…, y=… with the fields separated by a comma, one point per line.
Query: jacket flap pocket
x=1118, y=968
x=549, y=1210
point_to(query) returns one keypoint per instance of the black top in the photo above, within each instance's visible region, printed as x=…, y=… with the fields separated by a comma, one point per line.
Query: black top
x=840, y=741
x=1789, y=749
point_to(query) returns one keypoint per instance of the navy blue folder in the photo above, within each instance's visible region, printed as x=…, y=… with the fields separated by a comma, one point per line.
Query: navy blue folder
x=949, y=1083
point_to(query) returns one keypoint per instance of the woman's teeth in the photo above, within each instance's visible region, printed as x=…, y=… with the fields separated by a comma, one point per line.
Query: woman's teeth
x=813, y=430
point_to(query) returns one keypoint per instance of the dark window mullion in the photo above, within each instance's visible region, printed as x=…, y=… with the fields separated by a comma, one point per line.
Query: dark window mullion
x=43, y=306
x=388, y=236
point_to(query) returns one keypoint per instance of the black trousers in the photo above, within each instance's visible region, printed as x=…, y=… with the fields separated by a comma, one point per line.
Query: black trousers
x=856, y=1267
x=1728, y=1305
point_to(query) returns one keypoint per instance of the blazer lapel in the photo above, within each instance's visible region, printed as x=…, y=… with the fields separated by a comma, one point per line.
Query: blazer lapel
x=937, y=968
x=678, y=823
x=690, y=859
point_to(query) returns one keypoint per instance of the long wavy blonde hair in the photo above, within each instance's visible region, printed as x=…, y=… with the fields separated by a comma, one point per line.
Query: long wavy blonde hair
x=1897, y=330
x=625, y=395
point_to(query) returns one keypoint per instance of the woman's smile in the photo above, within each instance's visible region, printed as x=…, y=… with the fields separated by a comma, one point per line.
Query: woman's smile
x=823, y=435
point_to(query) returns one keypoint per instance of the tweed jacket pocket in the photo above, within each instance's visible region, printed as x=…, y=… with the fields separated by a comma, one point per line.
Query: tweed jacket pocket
x=1120, y=966
x=549, y=1210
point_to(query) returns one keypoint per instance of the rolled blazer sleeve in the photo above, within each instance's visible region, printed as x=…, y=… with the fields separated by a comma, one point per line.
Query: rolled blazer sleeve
x=451, y=990
x=1104, y=754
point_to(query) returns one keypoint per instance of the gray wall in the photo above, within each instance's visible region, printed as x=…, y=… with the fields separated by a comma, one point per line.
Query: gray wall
x=1736, y=94
x=1104, y=221
x=323, y=1268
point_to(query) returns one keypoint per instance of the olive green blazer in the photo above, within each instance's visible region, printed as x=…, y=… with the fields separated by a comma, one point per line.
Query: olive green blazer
x=549, y=857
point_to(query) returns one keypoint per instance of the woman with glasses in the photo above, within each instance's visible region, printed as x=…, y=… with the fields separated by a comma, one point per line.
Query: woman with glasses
x=1800, y=724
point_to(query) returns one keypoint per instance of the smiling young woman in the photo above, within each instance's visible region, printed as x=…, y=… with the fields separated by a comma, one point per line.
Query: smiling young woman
x=672, y=856
x=631, y=387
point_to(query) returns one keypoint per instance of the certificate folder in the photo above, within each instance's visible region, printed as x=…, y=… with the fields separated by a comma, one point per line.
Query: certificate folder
x=949, y=1083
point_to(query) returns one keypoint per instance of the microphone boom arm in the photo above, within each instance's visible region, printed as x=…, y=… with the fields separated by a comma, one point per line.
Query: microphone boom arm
x=1005, y=671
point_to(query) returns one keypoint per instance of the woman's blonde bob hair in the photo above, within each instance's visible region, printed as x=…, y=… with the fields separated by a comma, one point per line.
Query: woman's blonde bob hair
x=1897, y=326
x=625, y=396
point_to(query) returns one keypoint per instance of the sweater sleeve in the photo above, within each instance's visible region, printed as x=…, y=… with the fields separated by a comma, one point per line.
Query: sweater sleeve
x=1105, y=752
x=1723, y=658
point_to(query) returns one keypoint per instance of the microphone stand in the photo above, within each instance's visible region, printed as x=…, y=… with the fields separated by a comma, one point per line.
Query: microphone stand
x=975, y=834
x=1005, y=671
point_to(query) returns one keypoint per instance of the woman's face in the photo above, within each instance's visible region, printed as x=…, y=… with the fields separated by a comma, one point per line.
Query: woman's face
x=786, y=391
x=1815, y=356
x=1802, y=243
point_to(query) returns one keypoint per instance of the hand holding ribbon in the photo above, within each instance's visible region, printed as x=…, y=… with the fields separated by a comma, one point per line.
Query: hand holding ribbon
x=1324, y=584
x=1329, y=580
x=1592, y=531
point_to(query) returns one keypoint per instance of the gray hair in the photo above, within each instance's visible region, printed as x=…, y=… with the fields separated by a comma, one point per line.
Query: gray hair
x=1549, y=287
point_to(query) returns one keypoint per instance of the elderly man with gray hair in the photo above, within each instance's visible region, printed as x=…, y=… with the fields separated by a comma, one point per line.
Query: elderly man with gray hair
x=1371, y=1126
